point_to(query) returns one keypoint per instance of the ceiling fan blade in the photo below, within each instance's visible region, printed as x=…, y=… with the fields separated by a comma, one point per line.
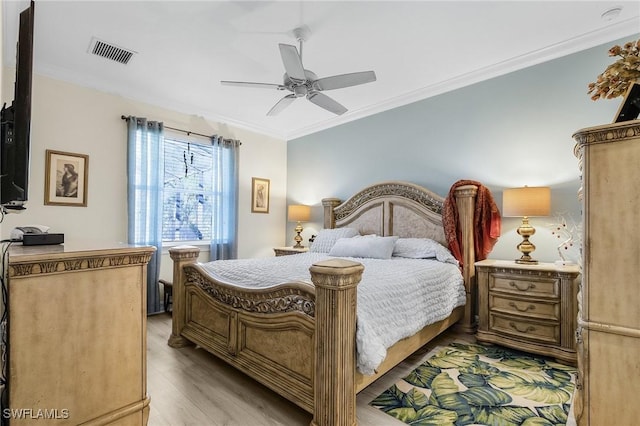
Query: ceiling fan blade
x=255, y=85
x=344, y=80
x=326, y=102
x=292, y=62
x=282, y=104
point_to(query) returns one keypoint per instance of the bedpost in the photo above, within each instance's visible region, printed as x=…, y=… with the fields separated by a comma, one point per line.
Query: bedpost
x=336, y=281
x=465, y=202
x=329, y=218
x=181, y=255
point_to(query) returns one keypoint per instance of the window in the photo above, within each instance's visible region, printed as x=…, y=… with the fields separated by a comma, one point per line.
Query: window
x=188, y=192
x=194, y=197
x=182, y=189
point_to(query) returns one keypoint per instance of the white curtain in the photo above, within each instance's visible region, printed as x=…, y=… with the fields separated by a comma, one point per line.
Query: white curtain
x=226, y=155
x=145, y=169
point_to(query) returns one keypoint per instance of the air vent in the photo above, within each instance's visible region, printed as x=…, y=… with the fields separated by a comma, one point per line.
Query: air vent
x=110, y=51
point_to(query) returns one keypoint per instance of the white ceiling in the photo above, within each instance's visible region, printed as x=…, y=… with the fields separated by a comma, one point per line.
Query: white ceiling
x=417, y=49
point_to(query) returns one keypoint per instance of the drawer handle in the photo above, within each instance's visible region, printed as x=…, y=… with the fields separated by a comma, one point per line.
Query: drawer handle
x=519, y=309
x=527, y=330
x=529, y=286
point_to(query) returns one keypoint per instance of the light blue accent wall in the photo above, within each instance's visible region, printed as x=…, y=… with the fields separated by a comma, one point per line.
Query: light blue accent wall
x=510, y=131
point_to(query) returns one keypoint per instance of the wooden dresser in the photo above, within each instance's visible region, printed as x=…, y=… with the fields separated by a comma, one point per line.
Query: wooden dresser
x=609, y=314
x=77, y=334
x=532, y=308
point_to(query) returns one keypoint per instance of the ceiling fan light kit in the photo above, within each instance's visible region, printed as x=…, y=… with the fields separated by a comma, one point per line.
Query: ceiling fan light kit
x=304, y=83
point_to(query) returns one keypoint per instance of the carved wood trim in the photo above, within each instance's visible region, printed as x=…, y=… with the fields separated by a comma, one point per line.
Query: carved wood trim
x=608, y=133
x=525, y=273
x=420, y=195
x=277, y=299
x=101, y=261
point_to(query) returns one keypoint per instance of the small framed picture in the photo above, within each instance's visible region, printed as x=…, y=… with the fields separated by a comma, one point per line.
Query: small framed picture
x=65, y=179
x=630, y=107
x=259, y=195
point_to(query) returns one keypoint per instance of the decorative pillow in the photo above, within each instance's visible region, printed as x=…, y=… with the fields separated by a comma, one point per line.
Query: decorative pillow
x=365, y=246
x=326, y=238
x=423, y=248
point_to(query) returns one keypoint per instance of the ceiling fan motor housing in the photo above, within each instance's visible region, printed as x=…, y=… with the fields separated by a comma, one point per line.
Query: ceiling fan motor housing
x=300, y=91
x=300, y=88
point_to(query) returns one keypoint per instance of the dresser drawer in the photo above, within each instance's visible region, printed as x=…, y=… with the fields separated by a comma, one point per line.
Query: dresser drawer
x=548, y=310
x=531, y=286
x=531, y=330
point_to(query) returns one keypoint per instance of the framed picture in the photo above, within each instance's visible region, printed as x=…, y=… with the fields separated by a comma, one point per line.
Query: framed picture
x=630, y=107
x=259, y=195
x=65, y=179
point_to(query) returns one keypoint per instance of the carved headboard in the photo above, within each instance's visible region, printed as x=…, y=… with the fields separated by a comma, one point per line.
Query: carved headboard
x=389, y=208
x=408, y=210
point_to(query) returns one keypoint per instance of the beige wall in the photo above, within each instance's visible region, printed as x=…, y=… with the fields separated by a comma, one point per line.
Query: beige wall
x=66, y=117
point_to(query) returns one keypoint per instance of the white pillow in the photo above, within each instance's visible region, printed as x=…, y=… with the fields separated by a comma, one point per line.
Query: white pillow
x=423, y=248
x=326, y=238
x=365, y=246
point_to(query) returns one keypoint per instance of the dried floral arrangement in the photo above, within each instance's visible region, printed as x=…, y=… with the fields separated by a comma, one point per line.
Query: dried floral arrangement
x=616, y=79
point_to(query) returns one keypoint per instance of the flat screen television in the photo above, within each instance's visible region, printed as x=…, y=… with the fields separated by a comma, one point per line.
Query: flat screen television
x=15, y=122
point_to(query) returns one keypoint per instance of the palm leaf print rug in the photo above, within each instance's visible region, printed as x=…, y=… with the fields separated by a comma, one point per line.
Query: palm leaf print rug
x=468, y=384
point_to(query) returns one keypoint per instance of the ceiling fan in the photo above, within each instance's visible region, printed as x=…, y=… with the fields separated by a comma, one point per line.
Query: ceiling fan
x=302, y=82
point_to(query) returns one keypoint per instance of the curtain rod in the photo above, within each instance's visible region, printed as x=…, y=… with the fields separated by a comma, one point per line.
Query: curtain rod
x=188, y=132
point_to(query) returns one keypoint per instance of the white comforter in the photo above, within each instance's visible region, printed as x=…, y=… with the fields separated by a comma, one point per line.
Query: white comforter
x=396, y=297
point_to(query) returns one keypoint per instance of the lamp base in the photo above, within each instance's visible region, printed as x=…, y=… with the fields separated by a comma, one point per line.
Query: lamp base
x=298, y=238
x=525, y=247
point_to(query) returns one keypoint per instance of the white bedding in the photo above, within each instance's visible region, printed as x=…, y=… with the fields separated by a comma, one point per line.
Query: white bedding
x=396, y=297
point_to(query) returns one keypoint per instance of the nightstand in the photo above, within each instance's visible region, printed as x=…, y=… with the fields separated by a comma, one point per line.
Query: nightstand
x=285, y=251
x=532, y=308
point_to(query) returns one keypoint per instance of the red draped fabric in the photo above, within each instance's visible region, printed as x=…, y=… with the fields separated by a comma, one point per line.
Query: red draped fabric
x=487, y=221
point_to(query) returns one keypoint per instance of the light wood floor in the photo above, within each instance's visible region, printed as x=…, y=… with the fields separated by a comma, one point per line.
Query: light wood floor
x=189, y=386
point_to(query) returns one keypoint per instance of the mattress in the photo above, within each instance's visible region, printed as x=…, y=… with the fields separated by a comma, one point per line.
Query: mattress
x=396, y=297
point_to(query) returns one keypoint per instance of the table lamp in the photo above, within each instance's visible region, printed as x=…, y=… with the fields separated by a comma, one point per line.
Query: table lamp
x=526, y=202
x=298, y=213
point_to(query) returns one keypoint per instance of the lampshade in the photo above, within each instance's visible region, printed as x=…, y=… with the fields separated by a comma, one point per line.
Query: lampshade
x=299, y=213
x=526, y=201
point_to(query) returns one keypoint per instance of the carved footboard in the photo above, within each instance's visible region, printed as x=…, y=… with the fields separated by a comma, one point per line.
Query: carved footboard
x=277, y=335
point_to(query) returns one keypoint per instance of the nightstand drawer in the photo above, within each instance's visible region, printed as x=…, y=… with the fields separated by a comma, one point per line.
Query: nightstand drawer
x=547, y=332
x=530, y=286
x=524, y=307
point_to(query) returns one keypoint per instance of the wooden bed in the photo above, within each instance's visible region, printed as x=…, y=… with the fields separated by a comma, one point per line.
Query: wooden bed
x=299, y=339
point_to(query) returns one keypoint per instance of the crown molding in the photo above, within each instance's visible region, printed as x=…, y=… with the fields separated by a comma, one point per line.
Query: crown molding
x=585, y=41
